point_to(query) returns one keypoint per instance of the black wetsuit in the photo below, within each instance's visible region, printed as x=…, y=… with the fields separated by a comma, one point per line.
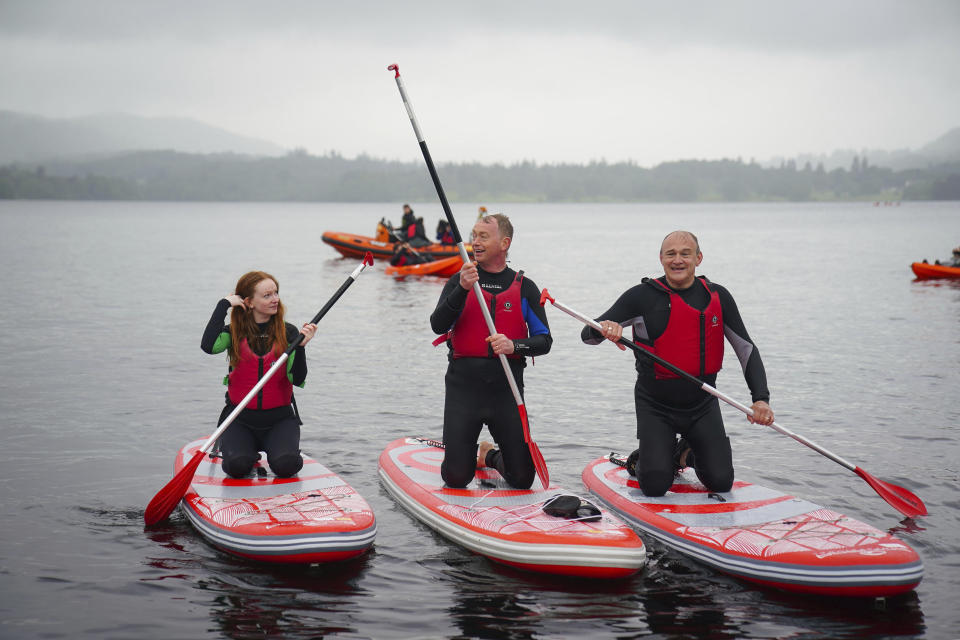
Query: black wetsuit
x=666, y=407
x=477, y=390
x=275, y=431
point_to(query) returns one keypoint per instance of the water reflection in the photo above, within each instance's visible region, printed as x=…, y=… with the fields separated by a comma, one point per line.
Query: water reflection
x=299, y=602
x=248, y=599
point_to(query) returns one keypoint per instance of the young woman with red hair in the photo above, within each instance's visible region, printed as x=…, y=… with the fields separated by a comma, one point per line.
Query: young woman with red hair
x=256, y=336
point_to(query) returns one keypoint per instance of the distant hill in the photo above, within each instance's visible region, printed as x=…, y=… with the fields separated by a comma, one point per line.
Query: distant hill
x=946, y=148
x=30, y=138
x=943, y=150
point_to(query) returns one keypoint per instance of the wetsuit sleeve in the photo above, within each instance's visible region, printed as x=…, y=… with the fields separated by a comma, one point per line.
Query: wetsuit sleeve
x=448, y=309
x=743, y=346
x=539, y=341
x=624, y=311
x=216, y=337
x=297, y=362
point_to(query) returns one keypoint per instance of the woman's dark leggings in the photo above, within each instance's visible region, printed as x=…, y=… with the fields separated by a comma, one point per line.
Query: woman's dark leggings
x=703, y=430
x=240, y=445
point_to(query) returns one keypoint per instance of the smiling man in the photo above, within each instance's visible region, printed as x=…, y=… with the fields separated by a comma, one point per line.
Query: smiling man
x=683, y=319
x=477, y=391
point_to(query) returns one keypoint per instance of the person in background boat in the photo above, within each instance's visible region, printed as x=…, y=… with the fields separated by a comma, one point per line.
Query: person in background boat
x=952, y=261
x=445, y=233
x=481, y=212
x=683, y=319
x=477, y=390
x=256, y=336
x=404, y=254
x=411, y=228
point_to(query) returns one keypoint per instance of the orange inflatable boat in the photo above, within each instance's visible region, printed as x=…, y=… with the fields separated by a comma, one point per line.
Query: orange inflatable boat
x=924, y=271
x=352, y=245
x=444, y=267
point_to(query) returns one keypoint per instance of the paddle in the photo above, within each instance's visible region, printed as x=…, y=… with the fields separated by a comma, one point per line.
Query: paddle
x=163, y=504
x=899, y=498
x=538, y=462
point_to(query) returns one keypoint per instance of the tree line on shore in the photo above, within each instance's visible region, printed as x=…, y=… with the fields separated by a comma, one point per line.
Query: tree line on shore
x=301, y=177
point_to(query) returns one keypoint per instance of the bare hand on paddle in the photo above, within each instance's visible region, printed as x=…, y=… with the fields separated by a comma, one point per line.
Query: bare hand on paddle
x=469, y=275
x=762, y=413
x=501, y=344
x=612, y=331
x=309, y=330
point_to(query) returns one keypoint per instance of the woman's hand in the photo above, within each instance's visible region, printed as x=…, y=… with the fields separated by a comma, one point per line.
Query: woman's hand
x=309, y=330
x=235, y=300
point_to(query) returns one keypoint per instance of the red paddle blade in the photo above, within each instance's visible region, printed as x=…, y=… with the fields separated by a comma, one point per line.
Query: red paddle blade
x=540, y=465
x=368, y=259
x=167, y=498
x=897, y=497
x=538, y=462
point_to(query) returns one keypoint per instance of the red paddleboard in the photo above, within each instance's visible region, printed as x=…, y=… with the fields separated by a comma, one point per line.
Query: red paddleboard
x=504, y=524
x=313, y=517
x=762, y=535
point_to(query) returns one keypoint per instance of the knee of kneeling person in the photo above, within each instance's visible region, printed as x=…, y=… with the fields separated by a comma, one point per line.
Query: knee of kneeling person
x=655, y=484
x=717, y=482
x=523, y=480
x=456, y=479
x=238, y=466
x=285, y=464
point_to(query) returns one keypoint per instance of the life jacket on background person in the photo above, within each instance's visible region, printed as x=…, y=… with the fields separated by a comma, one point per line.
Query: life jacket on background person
x=693, y=339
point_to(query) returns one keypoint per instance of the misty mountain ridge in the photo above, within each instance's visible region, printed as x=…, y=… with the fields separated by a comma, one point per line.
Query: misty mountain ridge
x=29, y=138
x=26, y=138
x=945, y=149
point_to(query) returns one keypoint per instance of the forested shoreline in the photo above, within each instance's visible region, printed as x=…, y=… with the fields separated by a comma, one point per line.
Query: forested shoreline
x=301, y=177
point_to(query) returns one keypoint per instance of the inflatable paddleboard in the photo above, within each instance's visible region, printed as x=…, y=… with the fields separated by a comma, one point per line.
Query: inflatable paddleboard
x=504, y=524
x=313, y=517
x=762, y=535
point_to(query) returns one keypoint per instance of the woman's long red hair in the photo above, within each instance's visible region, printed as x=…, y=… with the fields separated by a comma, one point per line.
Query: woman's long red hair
x=242, y=324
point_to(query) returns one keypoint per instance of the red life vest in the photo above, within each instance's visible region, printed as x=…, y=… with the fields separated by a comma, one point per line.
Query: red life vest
x=277, y=392
x=693, y=339
x=469, y=334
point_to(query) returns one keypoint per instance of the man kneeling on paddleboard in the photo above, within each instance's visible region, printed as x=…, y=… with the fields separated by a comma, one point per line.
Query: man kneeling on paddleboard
x=477, y=389
x=683, y=319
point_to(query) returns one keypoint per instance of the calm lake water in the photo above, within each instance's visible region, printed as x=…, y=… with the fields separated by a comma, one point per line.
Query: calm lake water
x=103, y=381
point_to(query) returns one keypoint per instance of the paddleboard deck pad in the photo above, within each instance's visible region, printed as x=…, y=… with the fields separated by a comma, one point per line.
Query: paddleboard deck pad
x=313, y=517
x=761, y=535
x=504, y=524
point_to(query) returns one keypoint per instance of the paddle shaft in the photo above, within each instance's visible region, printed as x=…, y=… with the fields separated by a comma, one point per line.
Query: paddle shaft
x=456, y=232
x=281, y=361
x=706, y=387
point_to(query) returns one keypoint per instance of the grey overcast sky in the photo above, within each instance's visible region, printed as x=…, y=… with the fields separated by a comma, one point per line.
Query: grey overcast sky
x=503, y=81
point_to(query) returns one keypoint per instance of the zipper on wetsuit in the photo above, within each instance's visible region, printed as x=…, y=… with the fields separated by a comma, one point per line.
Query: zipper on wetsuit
x=493, y=316
x=259, y=377
x=703, y=343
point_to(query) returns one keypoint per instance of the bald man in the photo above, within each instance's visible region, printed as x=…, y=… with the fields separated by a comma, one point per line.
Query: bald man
x=683, y=319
